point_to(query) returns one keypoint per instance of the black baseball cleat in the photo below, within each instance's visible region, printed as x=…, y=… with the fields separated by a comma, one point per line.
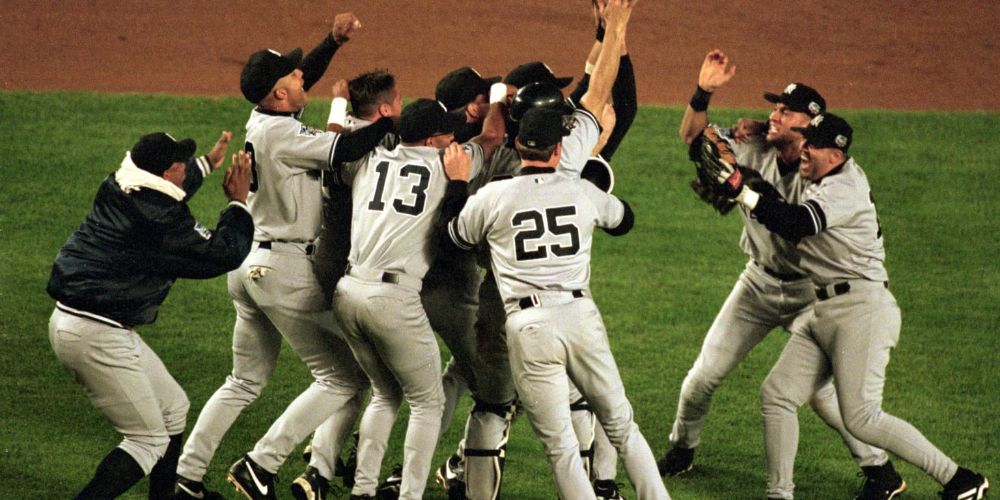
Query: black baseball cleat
x=965, y=485
x=449, y=472
x=252, y=480
x=607, y=489
x=186, y=489
x=389, y=489
x=677, y=461
x=456, y=490
x=310, y=486
x=345, y=470
x=882, y=482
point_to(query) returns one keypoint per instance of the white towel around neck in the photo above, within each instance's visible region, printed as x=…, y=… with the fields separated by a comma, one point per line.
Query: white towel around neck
x=132, y=178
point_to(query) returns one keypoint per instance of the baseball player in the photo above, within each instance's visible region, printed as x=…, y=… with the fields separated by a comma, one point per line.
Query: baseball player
x=475, y=469
x=539, y=228
x=855, y=322
x=373, y=95
x=489, y=421
x=773, y=289
x=112, y=275
x=275, y=292
x=397, y=195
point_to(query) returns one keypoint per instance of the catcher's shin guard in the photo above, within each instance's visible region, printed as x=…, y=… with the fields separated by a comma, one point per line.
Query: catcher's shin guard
x=486, y=448
x=583, y=425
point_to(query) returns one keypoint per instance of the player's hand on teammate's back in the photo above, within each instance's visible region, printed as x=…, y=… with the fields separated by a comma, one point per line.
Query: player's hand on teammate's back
x=457, y=164
x=236, y=183
x=218, y=153
x=716, y=71
x=344, y=27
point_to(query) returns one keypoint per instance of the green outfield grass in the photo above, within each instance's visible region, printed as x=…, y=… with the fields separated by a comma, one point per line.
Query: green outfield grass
x=934, y=176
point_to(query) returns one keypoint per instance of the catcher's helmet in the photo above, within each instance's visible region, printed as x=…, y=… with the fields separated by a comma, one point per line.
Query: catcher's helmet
x=538, y=95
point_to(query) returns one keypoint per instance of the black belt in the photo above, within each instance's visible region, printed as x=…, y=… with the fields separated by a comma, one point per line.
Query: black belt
x=838, y=289
x=266, y=245
x=781, y=276
x=386, y=277
x=529, y=302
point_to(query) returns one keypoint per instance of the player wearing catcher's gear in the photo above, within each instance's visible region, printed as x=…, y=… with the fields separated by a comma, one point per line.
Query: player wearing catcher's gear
x=112, y=275
x=773, y=290
x=855, y=322
x=397, y=195
x=475, y=469
x=539, y=229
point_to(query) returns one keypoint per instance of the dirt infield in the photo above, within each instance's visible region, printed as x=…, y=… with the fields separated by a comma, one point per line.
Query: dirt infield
x=914, y=54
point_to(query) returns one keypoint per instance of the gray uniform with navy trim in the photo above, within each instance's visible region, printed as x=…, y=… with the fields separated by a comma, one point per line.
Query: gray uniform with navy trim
x=539, y=229
x=396, y=199
x=277, y=295
x=848, y=336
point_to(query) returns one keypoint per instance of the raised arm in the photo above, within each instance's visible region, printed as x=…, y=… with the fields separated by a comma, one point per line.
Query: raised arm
x=315, y=63
x=716, y=71
x=616, y=17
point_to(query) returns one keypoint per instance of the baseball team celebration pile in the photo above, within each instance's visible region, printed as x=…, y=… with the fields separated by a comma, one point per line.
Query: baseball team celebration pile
x=470, y=216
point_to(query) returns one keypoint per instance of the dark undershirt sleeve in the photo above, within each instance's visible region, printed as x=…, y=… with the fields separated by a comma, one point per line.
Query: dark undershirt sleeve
x=455, y=197
x=353, y=145
x=792, y=222
x=628, y=220
x=314, y=64
x=623, y=96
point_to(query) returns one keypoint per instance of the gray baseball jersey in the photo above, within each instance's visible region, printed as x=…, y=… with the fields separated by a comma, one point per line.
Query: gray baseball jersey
x=849, y=336
x=396, y=194
x=539, y=228
x=852, y=248
x=772, y=291
x=762, y=245
x=287, y=191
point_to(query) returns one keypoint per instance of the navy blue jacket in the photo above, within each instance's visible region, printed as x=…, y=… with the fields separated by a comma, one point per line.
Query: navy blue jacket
x=121, y=262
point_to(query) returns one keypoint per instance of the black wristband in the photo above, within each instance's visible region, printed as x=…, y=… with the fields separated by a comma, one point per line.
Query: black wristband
x=699, y=101
x=600, y=32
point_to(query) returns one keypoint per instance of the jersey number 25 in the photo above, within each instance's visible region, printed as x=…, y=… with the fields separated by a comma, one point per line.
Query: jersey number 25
x=539, y=226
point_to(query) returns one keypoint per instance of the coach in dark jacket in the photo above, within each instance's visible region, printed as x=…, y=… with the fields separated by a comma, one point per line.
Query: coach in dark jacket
x=112, y=275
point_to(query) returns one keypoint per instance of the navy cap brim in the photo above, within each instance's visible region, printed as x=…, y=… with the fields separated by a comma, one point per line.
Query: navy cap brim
x=773, y=98
x=563, y=81
x=453, y=121
x=295, y=57
x=186, y=150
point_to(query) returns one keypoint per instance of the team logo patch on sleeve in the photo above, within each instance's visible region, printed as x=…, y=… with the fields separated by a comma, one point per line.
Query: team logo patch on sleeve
x=308, y=131
x=202, y=231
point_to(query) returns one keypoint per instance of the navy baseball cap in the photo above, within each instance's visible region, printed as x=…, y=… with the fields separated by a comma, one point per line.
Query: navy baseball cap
x=461, y=86
x=541, y=128
x=532, y=72
x=799, y=97
x=264, y=69
x=156, y=152
x=425, y=118
x=827, y=131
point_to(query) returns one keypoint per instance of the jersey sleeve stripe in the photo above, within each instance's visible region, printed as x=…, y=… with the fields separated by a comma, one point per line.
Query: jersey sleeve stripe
x=455, y=238
x=204, y=165
x=818, y=217
x=585, y=112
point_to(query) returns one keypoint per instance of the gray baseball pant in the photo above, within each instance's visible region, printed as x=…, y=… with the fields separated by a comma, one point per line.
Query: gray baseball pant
x=848, y=340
